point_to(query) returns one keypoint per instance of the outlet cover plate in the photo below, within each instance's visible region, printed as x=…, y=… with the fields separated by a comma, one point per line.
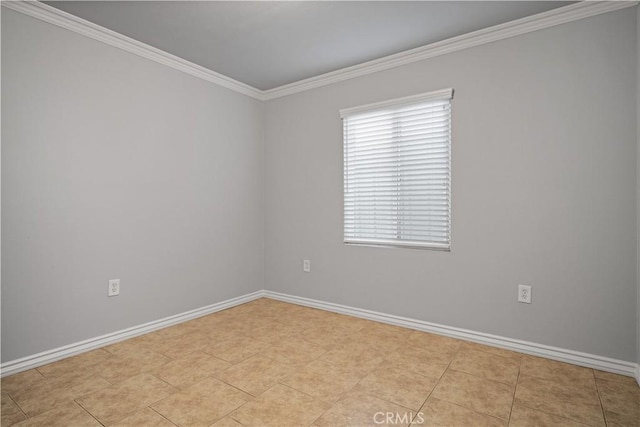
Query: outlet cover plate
x=524, y=294
x=114, y=287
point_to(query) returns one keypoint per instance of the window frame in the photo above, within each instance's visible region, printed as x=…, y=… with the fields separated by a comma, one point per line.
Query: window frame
x=440, y=95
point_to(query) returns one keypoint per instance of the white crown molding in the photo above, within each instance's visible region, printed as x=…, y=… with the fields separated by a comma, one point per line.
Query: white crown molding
x=564, y=355
x=33, y=361
x=78, y=25
x=573, y=12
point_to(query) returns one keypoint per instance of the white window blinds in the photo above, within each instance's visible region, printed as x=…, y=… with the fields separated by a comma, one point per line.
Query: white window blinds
x=397, y=172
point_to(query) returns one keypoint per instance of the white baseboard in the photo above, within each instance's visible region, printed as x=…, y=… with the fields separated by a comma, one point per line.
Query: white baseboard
x=563, y=355
x=569, y=356
x=29, y=362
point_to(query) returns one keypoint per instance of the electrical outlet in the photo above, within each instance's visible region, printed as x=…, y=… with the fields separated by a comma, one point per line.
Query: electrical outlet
x=306, y=266
x=114, y=287
x=524, y=294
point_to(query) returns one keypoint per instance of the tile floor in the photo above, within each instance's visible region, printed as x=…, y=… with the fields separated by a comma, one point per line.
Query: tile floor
x=268, y=363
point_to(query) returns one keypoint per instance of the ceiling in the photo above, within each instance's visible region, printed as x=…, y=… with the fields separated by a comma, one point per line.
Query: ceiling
x=270, y=44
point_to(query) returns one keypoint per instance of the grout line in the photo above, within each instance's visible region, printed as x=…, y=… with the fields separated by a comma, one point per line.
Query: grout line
x=161, y=415
x=515, y=390
x=234, y=412
x=231, y=385
x=16, y=403
x=87, y=411
x=606, y=423
x=103, y=378
x=292, y=388
x=485, y=378
x=573, y=420
x=439, y=380
x=164, y=381
x=38, y=369
x=306, y=394
x=449, y=368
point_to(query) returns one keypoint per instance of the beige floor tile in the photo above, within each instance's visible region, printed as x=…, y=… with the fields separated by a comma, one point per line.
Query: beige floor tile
x=21, y=380
x=316, y=313
x=74, y=366
x=608, y=376
x=235, y=349
x=281, y=406
x=359, y=410
x=201, y=404
x=118, y=369
x=10, y=413
x=438, y=412
x=235, y=313
x=275, y=332
x=350, y=323
x=190, y=369
x=219, y=333
x=195, y=325
x=487, y=365
x=147, y=358
x=355, y=358
x=256, y=374
x=387, y=337
x=209, y=319
x=293, y=351
x=230, y=320
x=326, y=336
x=51, y=393
x=615, y=419
x=398, y=386
x=491, y=350
x=322, y=380
x=621, y=402
x=562, y=373
x=423, y=362
x=66, y=415
x=479, y=394
x=434, y=343
x=145, y=417
x=160, y=334
x=130, y=362
x=130, y=346
x=289, y=356
x=267, y=318
x=242, y=326
x=522, y=416
x=117, y=402
x=572, y=401
x=308, y=317
x=227, y=422
x=260, y=306
x=181, y=345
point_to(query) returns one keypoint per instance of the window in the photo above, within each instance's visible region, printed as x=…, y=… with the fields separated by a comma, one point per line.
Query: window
x=397, y=172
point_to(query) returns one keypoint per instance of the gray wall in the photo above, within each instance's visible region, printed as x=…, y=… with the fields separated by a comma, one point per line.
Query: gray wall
x=638, y=186
x=117, y=167
x=544, y=192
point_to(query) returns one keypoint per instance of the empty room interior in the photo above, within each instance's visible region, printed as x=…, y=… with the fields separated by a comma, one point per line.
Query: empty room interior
x=320, y=213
